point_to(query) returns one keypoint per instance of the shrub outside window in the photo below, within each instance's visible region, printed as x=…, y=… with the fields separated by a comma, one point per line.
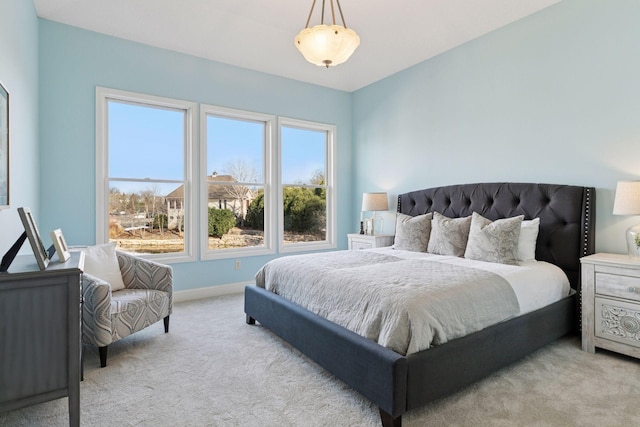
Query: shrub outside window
x=307, y=186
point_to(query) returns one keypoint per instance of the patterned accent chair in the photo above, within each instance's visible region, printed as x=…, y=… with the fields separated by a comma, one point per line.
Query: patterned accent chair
x=147, y=298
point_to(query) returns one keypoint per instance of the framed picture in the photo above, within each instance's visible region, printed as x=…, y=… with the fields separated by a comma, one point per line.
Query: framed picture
x=368, y=226
x=4, y=147
x=34, y=237
x=60, y=244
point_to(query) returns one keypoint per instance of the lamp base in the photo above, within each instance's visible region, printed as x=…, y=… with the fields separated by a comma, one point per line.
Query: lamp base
x=633, y=240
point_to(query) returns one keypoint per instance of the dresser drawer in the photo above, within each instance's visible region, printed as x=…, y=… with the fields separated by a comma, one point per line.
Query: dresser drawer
x=617, y=321
x=614, y=285
x=356, y=245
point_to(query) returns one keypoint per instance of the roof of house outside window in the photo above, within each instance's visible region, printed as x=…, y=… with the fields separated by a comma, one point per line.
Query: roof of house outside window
x=215, y=191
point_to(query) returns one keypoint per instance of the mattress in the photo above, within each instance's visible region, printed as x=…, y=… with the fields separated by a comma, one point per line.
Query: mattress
x=535, y=283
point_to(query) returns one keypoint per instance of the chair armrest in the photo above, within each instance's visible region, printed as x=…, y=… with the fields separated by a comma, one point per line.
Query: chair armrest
x=96, y=308
x=141, y=273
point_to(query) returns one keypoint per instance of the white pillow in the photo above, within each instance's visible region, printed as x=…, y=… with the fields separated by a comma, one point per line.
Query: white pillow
x=527, y=241
x=100, y=261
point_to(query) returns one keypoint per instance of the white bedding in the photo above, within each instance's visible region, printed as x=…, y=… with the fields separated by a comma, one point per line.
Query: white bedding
x=409, y=301
x=535, y=283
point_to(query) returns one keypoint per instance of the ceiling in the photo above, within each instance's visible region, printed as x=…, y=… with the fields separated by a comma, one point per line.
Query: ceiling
x=258, y=34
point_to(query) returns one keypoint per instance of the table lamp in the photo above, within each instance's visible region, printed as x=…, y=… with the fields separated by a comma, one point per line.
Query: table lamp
x=627, y=202
x=374, y=202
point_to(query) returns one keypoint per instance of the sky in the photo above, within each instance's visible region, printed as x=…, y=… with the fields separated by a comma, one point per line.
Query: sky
x=147, y=142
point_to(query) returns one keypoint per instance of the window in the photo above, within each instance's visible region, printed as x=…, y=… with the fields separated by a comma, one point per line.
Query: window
x=144, y=174
x=236, y=178
x=307, y=183
x=250, y=189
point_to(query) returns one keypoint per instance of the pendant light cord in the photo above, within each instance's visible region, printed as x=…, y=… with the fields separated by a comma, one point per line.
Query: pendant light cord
x=333, y=13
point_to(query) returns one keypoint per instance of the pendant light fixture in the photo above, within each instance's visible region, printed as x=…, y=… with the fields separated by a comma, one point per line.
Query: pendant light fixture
x=327, y=45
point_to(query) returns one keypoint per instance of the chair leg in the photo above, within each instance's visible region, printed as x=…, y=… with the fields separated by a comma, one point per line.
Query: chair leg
x=103, y=355
x=166, y=324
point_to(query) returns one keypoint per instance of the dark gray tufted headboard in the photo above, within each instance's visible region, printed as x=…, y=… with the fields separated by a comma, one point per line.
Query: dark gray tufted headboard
x=566, y=212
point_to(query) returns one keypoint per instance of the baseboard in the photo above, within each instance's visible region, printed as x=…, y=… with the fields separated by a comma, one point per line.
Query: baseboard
x=211, y=291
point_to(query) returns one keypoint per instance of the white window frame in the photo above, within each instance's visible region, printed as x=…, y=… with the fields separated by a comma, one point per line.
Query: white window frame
x=103, y=95
x=267, y=180
x=330, y=178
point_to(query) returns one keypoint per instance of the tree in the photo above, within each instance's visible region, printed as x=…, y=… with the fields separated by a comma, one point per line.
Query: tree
x=150, y=200
x=160, y=222
x=255, y=213
x=304, y=210
x=243, y=173
x=220, y=222
x=317, y=178
x=134, y=201
x=117, y=200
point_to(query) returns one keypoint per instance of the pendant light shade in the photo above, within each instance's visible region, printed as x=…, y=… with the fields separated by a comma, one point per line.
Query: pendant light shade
x=327, y=45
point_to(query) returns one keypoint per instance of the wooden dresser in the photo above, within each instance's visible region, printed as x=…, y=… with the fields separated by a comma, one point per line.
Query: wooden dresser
x=40, y=334
x=611, y=303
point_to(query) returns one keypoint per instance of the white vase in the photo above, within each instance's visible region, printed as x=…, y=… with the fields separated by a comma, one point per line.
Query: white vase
x=633, y=240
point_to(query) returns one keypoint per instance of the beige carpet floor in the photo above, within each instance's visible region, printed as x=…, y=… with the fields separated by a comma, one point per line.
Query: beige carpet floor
x=214, y=370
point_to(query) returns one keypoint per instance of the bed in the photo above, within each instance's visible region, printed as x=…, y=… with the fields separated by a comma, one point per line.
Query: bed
x=397, y=382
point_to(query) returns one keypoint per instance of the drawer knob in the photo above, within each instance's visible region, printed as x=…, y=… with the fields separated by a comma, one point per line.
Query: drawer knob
x=631, y=289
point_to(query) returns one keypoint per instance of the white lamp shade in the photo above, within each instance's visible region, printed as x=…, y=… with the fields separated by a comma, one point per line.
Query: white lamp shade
x=627, y=200
x=327, y=45
x=375, y=202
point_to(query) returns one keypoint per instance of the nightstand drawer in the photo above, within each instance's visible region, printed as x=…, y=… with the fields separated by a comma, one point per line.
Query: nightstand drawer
x=369, y=241
x=356, y=245
x=618, y=286
x=617, y=321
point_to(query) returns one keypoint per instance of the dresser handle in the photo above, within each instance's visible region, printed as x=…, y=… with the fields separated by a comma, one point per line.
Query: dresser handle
x=631, y=289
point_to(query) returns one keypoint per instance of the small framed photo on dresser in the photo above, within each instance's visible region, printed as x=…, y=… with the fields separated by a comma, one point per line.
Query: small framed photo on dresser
x=30, y=228
x=60, y=244
x=4, y=148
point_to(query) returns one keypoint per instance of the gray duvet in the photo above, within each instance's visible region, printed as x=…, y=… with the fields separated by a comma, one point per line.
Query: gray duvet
x=406, y=305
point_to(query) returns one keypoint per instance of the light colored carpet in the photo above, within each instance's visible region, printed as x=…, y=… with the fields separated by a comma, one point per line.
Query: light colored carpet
x=212, y=369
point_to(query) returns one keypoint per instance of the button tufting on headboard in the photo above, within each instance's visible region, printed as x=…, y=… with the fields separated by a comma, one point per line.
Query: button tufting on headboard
x=566, y=215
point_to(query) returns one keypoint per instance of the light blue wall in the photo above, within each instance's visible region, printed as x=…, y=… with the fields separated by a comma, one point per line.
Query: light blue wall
x=552, y=98
x=19, y=75
x=74, y=61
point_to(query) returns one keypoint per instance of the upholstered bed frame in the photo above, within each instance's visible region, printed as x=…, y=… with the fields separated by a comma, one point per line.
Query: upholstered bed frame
x=399, y=383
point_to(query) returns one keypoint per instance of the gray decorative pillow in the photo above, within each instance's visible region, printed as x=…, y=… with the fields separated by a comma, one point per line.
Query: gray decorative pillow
x=412, y=232
x=494, y=241
x=448, y=235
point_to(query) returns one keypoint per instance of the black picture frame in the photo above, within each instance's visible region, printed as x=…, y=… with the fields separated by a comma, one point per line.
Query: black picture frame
x=4, y=147
x=30, y=228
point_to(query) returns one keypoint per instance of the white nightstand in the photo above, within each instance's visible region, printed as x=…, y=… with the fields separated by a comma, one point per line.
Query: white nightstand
x=611, y=303
x=368, y=241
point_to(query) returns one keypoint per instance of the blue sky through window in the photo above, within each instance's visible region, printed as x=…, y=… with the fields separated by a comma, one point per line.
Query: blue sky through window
x=145, y=142
x=303, y=153
x=148, y=142
x=231, y=141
